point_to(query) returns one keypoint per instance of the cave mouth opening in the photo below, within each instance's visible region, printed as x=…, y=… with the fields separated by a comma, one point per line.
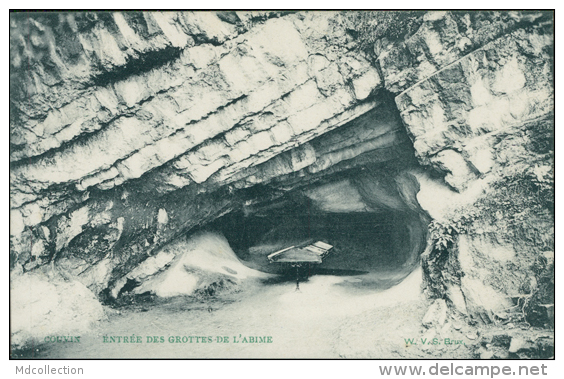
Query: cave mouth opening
x=364, y=203
x=370, y=216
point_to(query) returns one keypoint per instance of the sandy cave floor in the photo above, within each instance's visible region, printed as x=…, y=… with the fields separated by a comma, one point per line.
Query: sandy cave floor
x=322, y=320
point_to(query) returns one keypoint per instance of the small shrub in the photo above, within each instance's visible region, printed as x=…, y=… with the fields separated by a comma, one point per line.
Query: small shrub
x=370, y=26
x=443, y=234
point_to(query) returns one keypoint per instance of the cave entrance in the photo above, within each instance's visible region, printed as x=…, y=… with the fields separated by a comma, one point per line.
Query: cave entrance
x=370, y=216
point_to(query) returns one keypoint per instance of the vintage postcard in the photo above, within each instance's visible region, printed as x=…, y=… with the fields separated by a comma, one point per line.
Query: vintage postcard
x=281, y=184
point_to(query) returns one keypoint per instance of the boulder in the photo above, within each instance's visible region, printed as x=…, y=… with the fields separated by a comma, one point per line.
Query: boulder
x=45, y=305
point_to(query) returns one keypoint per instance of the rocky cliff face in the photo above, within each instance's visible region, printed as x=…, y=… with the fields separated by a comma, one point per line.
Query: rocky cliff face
x=129, y=130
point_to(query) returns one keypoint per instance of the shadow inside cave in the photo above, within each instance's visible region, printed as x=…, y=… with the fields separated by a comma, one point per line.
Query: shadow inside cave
x=374, y=249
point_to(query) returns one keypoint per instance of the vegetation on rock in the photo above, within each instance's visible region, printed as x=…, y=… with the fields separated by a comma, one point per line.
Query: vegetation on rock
x=370, y=26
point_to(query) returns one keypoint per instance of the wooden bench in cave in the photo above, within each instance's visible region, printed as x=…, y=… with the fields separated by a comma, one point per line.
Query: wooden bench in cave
x=299, y=256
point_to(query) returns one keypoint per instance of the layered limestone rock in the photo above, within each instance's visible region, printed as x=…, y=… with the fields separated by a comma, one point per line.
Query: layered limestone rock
x=192, y=124
x=485, y=122
x=129, y=130
x=488, y=93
